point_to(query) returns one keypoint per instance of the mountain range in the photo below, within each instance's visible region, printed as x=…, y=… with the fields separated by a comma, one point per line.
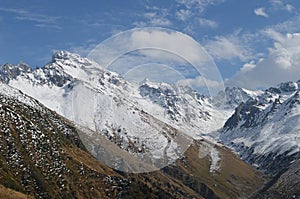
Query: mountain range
x=238, y=144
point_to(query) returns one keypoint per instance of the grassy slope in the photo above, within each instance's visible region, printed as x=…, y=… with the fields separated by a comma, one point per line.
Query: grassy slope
x=12, y=194
x=235, y=179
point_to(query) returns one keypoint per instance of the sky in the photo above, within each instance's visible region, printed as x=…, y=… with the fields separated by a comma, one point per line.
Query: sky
x=254, y=43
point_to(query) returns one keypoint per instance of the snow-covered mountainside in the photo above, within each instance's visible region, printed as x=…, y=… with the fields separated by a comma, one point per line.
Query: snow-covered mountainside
x=43, y=156
x=264, y=130
x=152, y=121
x=156, y=121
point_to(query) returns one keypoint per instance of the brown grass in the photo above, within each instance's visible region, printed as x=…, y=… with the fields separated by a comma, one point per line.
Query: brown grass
x=6, y=193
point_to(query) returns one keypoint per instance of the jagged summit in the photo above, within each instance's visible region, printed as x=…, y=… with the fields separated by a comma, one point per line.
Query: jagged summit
x=72, y=59
x=64, y=67
x=285, y=87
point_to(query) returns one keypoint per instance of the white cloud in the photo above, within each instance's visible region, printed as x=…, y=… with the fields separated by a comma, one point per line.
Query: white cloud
x=203, y=85
x=230, y=47
x=154, y=72
x=155, y=18
x=183, y=14
x=207, y=22
x=281, y=64
x=289, y=7
x=261, y=12
x=157, y=41
x=274, y=35
x=200, y=5
x=160, y=22
x=291, y=25
x=200, y=82
x=248, y=66
x=175, y=42
x=186, y=15
x=41, y=20
x=276, y=2
x=280, y=5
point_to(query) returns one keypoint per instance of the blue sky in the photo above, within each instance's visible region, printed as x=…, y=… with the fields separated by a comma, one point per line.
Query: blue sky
x=254, y=43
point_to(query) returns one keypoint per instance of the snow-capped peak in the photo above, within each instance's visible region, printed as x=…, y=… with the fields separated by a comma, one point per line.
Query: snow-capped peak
x=9, y=71
x=61, y=56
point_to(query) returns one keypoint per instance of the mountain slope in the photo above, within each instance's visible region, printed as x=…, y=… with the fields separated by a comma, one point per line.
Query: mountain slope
x=43, y=156
x=286, y=185
x=153, y=122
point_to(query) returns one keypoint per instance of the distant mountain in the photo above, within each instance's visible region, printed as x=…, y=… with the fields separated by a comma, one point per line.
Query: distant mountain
x=264, y=130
